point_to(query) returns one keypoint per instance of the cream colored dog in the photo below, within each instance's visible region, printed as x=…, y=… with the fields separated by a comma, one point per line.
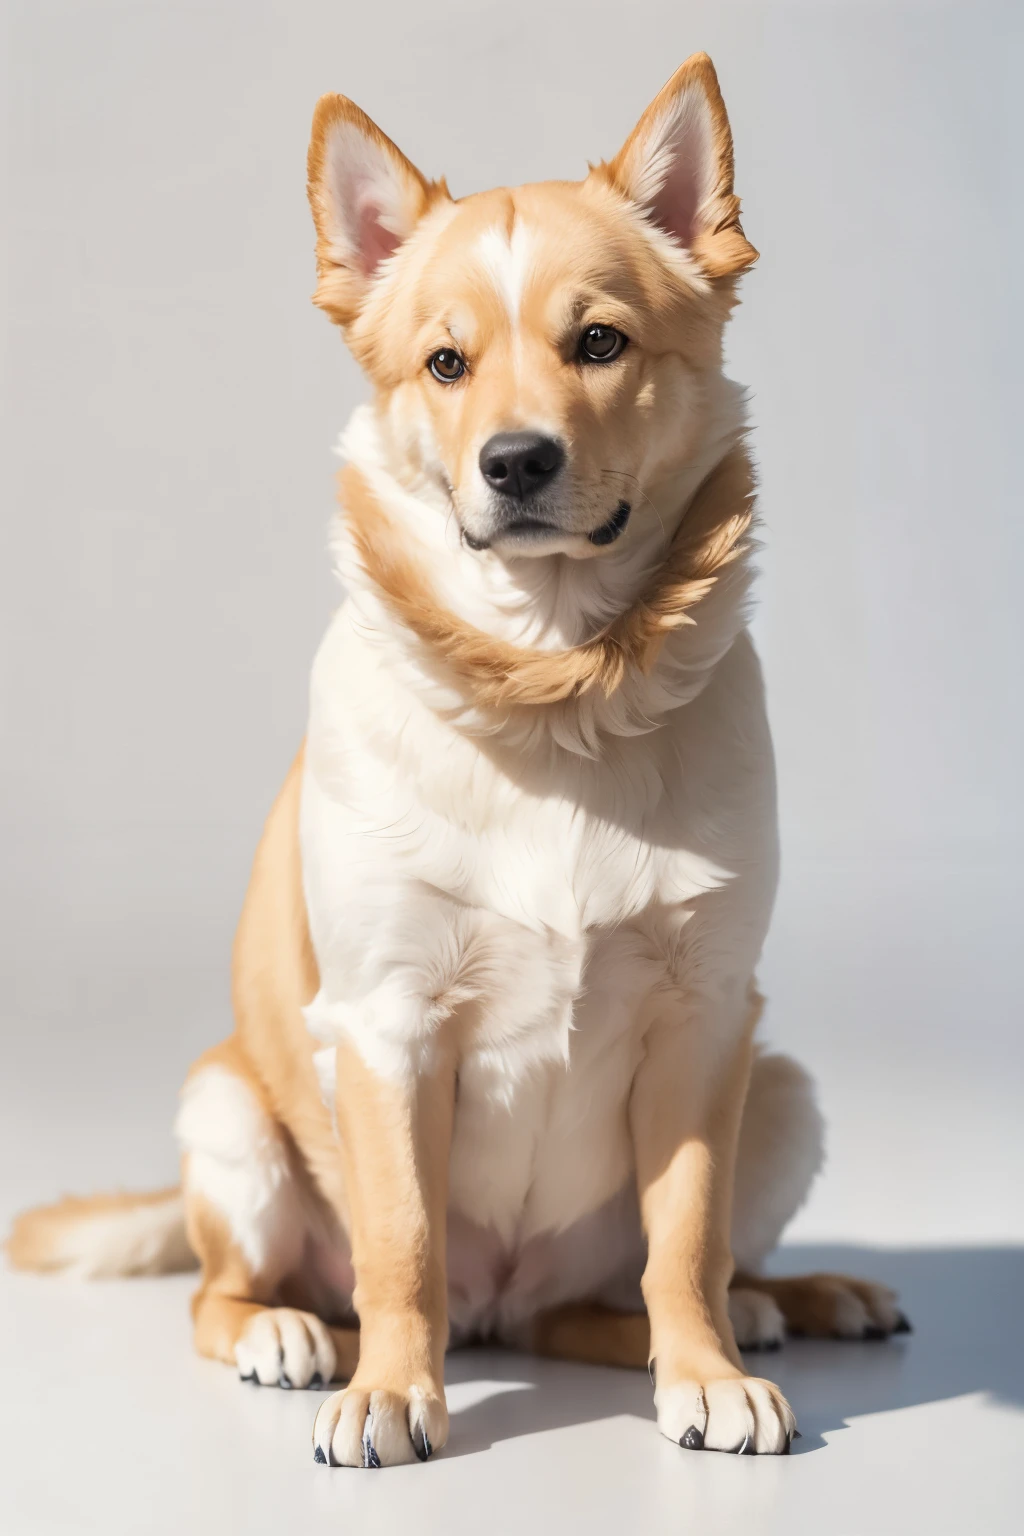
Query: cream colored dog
x=493, y=1073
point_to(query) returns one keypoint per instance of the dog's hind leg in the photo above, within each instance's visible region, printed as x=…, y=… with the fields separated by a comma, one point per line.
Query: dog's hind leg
x=781, y=1149
x=591, y=1333
x=247, y=1217
x=273, y=1345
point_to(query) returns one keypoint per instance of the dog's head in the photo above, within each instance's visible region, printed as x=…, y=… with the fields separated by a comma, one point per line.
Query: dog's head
x=539, y=353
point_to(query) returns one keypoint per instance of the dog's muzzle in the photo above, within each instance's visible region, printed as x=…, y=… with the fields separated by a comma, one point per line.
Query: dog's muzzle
x=520, y=527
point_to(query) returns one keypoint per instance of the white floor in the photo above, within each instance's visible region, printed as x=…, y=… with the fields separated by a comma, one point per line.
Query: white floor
x=898, y=986
x=109, y=1423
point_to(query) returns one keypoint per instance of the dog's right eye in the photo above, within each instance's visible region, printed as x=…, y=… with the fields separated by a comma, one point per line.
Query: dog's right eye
x=446, y=365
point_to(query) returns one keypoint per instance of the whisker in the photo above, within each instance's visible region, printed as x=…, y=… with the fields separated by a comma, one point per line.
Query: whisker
x=452, y=512
x=642, y=494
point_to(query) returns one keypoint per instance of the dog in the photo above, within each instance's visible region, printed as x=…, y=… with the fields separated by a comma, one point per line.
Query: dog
x=494, y=1073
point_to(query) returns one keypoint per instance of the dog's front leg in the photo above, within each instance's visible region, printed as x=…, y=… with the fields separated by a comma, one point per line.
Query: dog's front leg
x=685, y=1112
x=396, y=1137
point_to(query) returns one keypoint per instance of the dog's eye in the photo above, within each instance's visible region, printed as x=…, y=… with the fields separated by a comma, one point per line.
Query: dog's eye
x=446, y=365
x=601, y=344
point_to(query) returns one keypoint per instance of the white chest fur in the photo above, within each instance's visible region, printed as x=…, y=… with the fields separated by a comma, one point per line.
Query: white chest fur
x=555, y=897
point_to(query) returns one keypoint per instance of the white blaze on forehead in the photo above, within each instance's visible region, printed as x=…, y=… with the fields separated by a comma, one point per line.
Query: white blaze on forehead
x=507, y=260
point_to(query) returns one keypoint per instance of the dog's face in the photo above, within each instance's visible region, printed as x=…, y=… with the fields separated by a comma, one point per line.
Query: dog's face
x=537, y=353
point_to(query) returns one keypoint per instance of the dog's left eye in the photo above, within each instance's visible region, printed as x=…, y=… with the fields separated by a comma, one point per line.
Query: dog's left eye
x=446, y=365
x=601, y=344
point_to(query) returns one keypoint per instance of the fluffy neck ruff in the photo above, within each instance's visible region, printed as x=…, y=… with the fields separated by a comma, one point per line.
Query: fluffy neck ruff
x=495, y=676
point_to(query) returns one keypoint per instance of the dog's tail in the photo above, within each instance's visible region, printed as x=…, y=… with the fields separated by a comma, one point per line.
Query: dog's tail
x=104, y=1235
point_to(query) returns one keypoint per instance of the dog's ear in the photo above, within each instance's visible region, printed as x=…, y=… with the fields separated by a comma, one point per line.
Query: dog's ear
x=677, y=166
x=366, y=199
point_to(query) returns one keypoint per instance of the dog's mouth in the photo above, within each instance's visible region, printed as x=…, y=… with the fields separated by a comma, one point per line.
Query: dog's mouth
x=529, y=530
x=609, y=531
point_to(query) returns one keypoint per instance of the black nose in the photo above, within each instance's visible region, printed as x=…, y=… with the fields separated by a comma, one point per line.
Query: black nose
x=519, y=463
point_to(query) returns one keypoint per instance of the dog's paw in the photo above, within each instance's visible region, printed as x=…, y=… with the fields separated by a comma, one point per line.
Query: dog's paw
x=363, y=1427
x=838, y=1307
x=756, y=1320
x=284, y=1348
x=744, y=1415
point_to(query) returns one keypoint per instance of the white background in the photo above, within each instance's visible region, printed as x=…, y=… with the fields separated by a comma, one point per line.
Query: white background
x=173, y=398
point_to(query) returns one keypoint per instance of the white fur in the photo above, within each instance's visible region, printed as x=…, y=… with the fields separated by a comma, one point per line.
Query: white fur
x=137, y=1240
x=325, y=1064
x=781, y=1151
x=683, y=132
x=546, y=603
x=756, y=1319
x=507, y=259
x=558, y=899
x=364, y=183
x=353, y=1425
x=531, y=1153
x=731, y=1415
x=675, y=156
x=237, y=1161
x=283, y=1347
x=561, y=876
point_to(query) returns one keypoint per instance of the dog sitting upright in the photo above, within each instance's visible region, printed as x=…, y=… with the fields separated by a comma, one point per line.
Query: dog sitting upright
x=493, y=1074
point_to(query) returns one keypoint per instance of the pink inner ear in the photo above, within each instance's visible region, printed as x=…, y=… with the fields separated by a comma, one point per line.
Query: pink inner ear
x=373, y=241
x=685, y=159
x=675, y=207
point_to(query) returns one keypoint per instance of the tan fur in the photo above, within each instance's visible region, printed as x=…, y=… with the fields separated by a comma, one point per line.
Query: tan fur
x=814, y=1304
x=592, y=258
x=230, y=1296
x=44, y=1238
x=721, y=246
x=388, y=1144
x=499, y=674
x=273, y=976
x=379, y=1182
x=342, y=286
x=685, y=1144
x=395, y=1148
x=592, y=1335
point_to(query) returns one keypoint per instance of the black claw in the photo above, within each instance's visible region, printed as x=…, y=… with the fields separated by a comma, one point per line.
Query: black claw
x=787, y=1447
x=874, y=1333
x=797, y=1434
x=319, y=1457
x=693, y=1440
x=903, y=1324
x=747, y=1448
x=370, y=1457
x=652, y=1371
x=762, y=1346
x=316, y=1380
x=251, y=1376
x=285, y=1381
x=423, y=1448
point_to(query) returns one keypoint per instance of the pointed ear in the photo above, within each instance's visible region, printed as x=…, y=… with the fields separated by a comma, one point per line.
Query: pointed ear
x=366, y=199
x=677, y=166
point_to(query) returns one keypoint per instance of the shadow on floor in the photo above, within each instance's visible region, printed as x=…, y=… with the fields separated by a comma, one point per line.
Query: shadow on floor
x=964, y=1304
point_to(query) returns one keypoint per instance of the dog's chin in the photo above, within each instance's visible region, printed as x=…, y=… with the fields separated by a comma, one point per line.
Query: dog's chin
x=533, y=537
